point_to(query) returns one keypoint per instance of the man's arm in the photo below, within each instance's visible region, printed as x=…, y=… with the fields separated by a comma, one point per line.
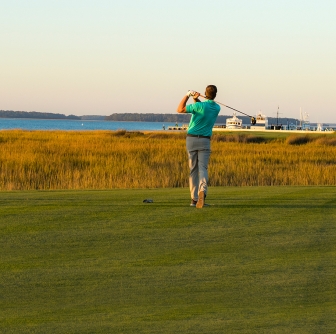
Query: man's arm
x=182, y=106
x=181, y=109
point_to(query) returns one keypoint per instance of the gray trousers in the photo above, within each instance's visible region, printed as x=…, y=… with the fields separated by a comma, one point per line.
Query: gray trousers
x=198, y=153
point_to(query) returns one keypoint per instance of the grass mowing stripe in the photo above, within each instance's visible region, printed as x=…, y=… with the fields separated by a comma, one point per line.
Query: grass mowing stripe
x=257, y=260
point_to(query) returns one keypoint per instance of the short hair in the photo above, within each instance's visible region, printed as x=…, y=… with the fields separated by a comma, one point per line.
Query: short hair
x=211, y=92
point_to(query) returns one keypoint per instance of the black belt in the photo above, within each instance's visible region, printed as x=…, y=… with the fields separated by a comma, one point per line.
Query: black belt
x=198, y=136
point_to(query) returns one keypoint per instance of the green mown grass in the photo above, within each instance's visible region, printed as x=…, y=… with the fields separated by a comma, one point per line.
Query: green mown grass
x=258, y=260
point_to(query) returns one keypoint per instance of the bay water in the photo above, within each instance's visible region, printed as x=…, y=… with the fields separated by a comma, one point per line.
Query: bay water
x=64, y=124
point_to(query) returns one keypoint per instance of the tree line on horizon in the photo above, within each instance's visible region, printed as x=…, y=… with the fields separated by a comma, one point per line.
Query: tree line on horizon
x=35, y=114
x=131, y=117
x=184, y=118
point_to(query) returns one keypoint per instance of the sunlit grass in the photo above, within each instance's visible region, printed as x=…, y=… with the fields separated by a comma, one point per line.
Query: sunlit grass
x=121, y=159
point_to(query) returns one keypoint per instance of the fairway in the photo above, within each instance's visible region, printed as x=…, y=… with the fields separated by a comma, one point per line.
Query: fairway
x=258, y=260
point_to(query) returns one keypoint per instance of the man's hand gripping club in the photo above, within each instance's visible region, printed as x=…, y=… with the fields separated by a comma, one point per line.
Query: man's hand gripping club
x=182, y=106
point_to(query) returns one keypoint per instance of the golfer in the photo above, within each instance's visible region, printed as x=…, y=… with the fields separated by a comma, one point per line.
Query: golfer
x=204, y=115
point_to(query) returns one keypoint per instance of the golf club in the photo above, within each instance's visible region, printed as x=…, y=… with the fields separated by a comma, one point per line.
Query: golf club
x=253, y=120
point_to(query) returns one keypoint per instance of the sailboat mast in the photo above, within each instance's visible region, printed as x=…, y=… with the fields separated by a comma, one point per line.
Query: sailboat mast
x=278, y=117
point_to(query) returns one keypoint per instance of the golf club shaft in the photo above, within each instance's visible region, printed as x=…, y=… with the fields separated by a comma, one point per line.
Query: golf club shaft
x=222, y=104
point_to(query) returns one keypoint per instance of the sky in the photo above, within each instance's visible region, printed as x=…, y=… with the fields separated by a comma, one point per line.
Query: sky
x=101, y=57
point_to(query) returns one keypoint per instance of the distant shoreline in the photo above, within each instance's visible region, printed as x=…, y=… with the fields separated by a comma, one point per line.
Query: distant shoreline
x=44, y=115
x=131, y=117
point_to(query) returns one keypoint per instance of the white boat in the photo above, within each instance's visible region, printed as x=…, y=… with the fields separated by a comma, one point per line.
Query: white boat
x=234, y=122
x=261, y=119
x=261, y=122
x=304, y=121
x=320, y=127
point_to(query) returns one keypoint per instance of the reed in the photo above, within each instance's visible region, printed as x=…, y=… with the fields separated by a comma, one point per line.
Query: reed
x=105, y=159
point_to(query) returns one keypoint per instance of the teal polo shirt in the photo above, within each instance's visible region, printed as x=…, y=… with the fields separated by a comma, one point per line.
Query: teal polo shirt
x=204, y=115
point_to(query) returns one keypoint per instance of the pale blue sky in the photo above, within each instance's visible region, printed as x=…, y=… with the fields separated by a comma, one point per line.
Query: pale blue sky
x=103, y=57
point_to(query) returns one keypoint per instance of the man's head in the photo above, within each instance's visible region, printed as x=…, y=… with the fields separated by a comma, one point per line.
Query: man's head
x=210, y=92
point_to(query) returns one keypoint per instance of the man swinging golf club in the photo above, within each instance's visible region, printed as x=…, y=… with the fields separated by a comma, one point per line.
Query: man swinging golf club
x=204, y=115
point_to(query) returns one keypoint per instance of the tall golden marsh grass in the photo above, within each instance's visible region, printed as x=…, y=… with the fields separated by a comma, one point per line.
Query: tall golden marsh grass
x=107, y=159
